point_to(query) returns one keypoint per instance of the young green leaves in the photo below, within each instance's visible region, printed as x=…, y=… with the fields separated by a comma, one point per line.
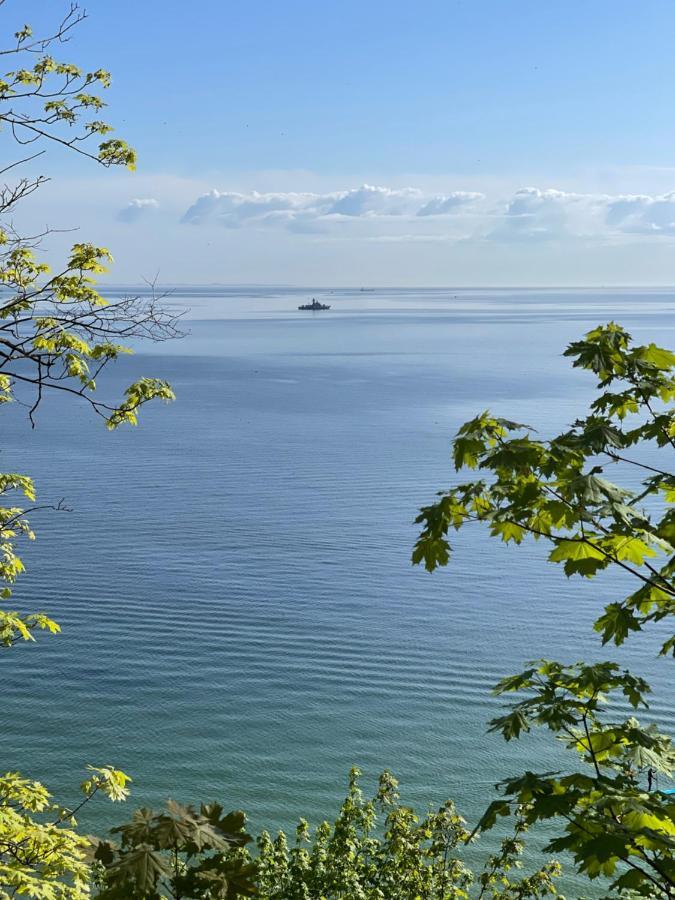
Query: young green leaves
x=612, y=824
x=557, y=489
x=41, y=853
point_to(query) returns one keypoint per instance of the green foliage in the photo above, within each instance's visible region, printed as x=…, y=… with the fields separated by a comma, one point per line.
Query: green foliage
x=57, y=334
x=556, y=490
x=378, y=849
x=41, y=853
x=608, y=813
x=180, y=853
x=66, y=329
x=13, y=523
x=609, y=817
x=46, y=98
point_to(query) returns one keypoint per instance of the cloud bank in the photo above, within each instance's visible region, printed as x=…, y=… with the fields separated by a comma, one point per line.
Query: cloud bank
x=234, y=210
x=530, y=214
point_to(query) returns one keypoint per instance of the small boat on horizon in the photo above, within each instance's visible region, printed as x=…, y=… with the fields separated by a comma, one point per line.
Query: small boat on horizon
x=314, y=305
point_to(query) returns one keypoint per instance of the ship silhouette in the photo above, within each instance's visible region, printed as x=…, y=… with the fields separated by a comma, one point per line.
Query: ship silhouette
x=314, y=305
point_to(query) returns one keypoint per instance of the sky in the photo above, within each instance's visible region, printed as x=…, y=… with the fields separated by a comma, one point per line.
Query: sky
x=440, y=142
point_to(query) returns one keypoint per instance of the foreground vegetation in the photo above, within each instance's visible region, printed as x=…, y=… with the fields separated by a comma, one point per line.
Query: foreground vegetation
x=377, y=849
x=557, y=491
x=58, y=334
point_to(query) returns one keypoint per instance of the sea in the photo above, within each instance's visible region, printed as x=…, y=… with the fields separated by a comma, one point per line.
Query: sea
x=241, y=619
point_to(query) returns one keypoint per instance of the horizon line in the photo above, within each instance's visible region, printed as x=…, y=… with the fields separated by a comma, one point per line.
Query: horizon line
x=390, y=287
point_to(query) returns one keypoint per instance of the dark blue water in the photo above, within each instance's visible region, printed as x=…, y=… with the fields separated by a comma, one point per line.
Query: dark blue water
x=240, y=617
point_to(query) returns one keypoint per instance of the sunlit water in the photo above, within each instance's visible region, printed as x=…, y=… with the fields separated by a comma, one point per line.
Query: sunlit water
x=240, y=617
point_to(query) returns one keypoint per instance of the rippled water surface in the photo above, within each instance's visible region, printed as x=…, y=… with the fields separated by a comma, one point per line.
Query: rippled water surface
x=240, y=616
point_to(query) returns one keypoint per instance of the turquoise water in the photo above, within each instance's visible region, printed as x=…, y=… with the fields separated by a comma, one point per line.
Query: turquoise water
x=240, y=617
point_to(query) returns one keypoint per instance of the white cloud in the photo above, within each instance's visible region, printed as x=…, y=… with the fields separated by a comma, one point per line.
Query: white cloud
x=307, y=212
x=369, y=212
x=377, y=201
x=532, y=214
x=642, y=214
x=233, y=208
x=450, y=203
x=137, y=208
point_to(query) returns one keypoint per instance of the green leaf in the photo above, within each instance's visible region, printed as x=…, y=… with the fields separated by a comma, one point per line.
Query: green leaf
x=509, y=531
x=616, y=623
x=577, y=549
x=140, y=869
x=658, y=357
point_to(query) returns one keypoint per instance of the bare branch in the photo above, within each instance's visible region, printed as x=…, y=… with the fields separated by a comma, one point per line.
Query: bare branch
x=73, y=17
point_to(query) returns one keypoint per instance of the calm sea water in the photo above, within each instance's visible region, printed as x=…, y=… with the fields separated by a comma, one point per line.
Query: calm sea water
x=240, y=617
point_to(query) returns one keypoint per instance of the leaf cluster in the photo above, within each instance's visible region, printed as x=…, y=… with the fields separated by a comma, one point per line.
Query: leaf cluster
x=42, y=854
x=558, y=490
x=179, y=853
x=46, y=99
x=380, y=849
x=612, y=824
x=57, y=334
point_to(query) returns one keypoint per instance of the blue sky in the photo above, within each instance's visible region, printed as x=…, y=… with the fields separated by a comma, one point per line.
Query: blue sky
x=501, y=142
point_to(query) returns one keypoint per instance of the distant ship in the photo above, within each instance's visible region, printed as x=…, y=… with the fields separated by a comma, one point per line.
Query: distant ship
x=314, y=305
